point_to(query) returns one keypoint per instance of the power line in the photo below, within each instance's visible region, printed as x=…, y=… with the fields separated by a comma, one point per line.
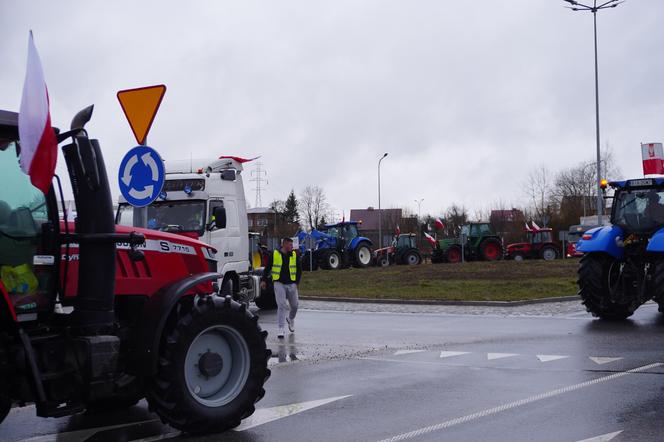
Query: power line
x=258, y=176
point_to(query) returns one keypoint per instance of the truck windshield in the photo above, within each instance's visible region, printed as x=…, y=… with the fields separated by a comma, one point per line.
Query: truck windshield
x=639, y=210
x=169, y=216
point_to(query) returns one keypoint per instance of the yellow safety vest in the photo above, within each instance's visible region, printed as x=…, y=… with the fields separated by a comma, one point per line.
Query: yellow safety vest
x=277, y=263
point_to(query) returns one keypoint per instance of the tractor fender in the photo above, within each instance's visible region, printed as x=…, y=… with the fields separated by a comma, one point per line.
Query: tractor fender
x=656, y=243
x=358, y=240
x=602, y=239
x=153, y=320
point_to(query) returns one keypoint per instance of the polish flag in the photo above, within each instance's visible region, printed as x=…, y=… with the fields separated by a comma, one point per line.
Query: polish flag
x=397, y=231
x=430, y=239
x=439, y=224
x=39, y=146
x=653, y=158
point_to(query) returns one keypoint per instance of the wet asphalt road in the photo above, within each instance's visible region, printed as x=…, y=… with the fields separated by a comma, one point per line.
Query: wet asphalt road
x=467, y=377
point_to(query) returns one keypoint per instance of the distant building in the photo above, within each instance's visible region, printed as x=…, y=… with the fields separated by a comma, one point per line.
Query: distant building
x=270, y=225
x=390, y=219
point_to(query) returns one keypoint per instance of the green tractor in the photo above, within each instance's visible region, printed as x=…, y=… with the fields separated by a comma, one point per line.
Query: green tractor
x=481, y=243
x=403, y=250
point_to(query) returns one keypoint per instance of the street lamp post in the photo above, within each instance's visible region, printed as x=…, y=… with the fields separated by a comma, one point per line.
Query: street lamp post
x=576, y=6
x=380, y=225
x=419, y=208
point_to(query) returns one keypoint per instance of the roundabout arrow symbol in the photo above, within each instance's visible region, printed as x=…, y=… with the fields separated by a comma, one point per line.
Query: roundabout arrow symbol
x=126, y=173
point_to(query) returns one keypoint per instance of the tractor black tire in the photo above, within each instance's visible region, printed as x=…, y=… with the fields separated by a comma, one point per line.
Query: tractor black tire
x=383, y=261
x=491, y=250
x=549, y=253
x=453, y=255
x=5, y=406
x=437, y=256
x=362, y=255
x=518, y=256
x=594, y=274
x=266, y=301
x=658, y=283
x=331, y=260
x=411, y=257
x=232, y=382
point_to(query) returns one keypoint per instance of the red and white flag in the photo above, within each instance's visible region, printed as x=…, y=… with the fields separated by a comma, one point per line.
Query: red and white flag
x=430, y=239
x=439, y=224
x=652, y=155
x=39, y=146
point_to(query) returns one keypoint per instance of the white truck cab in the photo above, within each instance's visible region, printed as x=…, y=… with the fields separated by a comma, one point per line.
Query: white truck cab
x=196, y=194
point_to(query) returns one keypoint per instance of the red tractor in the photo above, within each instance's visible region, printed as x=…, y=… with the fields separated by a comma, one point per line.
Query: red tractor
x=94, y=317
x=540, y=245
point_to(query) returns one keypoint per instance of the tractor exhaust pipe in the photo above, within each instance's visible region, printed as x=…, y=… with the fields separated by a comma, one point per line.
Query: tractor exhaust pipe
x=93, y=309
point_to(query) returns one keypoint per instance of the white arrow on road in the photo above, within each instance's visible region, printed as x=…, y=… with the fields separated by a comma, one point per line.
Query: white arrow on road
x=603, y=438
x=448, y=354
x=492, y=356
x=549, y=358
x=406, y=352
x=126, y=173
x=265, y=415
x=603, y=360
x=149, y=161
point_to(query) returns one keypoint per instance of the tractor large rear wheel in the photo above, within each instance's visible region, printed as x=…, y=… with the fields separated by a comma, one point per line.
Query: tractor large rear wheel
x=362, y=255
x=411, y=257
x=598, y=277
x=491, y=250
x=212, y=366
x=657, y=283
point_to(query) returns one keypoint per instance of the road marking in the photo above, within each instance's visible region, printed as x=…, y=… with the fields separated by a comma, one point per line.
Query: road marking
x=265, y=415
x=602, y=360
x=492, y=356
x=603, y=438
x=449, y=354
x=79, y=435
x=549, y=358
x=407, y=352
x=515, y=404
x=171, y=435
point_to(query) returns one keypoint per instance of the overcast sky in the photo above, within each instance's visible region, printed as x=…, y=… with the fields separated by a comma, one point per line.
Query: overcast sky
x=467, y=97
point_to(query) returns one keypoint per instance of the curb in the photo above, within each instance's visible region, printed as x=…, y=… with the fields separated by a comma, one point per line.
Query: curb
x=434, y=302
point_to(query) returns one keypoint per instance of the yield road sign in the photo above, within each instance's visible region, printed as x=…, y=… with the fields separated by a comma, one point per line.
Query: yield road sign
x=141, y=176
x=140, y=106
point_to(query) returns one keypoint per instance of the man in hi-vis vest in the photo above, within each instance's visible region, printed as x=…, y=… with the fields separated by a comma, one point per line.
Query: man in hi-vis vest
x=284, y=268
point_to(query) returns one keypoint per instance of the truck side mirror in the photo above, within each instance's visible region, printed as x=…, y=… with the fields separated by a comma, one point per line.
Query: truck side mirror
x=219, y=214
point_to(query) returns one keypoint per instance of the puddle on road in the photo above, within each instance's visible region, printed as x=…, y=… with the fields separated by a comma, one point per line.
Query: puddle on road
x=286, y=351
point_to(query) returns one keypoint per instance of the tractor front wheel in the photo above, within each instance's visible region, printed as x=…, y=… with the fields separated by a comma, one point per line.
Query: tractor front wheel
x=362, y=255
x=331, y=260
x=453, y=255
x=549, y=254
x=212, y=366
x=411, y=257
x=383, y=261
x=599, y=279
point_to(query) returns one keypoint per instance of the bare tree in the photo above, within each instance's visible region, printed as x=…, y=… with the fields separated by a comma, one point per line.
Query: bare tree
x=313, y=206
x=455, y=217
x=538, y=188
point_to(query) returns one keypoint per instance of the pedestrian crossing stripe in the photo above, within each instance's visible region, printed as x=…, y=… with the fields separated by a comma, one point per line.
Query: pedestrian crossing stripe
x=549, y=358
x=492, y=356
x=449, y=354
x=603, y=360
x=407, y=352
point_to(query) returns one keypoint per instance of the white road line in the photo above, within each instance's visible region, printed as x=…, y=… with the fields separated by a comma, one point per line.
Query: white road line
x=492, y=356
x=603, y=438
x=602, y=360
x=515, y=404
x=171, y=435
x=549, y=358
x=449, y=354
x=407, y=352
x=79, y=435
x=265, y=415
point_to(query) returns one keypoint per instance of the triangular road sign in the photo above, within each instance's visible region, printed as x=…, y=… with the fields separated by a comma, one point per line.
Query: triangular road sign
x=140, y=106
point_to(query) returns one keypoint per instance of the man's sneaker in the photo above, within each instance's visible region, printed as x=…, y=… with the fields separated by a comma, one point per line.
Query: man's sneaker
x=281, y=333
x=291, y=324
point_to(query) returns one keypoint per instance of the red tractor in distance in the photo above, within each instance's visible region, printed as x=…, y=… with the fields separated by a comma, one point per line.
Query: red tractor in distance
x=94, y=317
x=540, y=245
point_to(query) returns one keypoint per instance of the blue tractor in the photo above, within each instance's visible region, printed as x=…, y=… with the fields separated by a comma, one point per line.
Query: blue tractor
x=336, y=246
x=623, y=264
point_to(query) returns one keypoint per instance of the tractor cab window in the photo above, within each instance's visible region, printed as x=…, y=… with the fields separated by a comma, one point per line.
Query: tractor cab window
x=480, y=230
x=23, y=211
x=542, y=237
x=405, y=241
x=639, y=210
